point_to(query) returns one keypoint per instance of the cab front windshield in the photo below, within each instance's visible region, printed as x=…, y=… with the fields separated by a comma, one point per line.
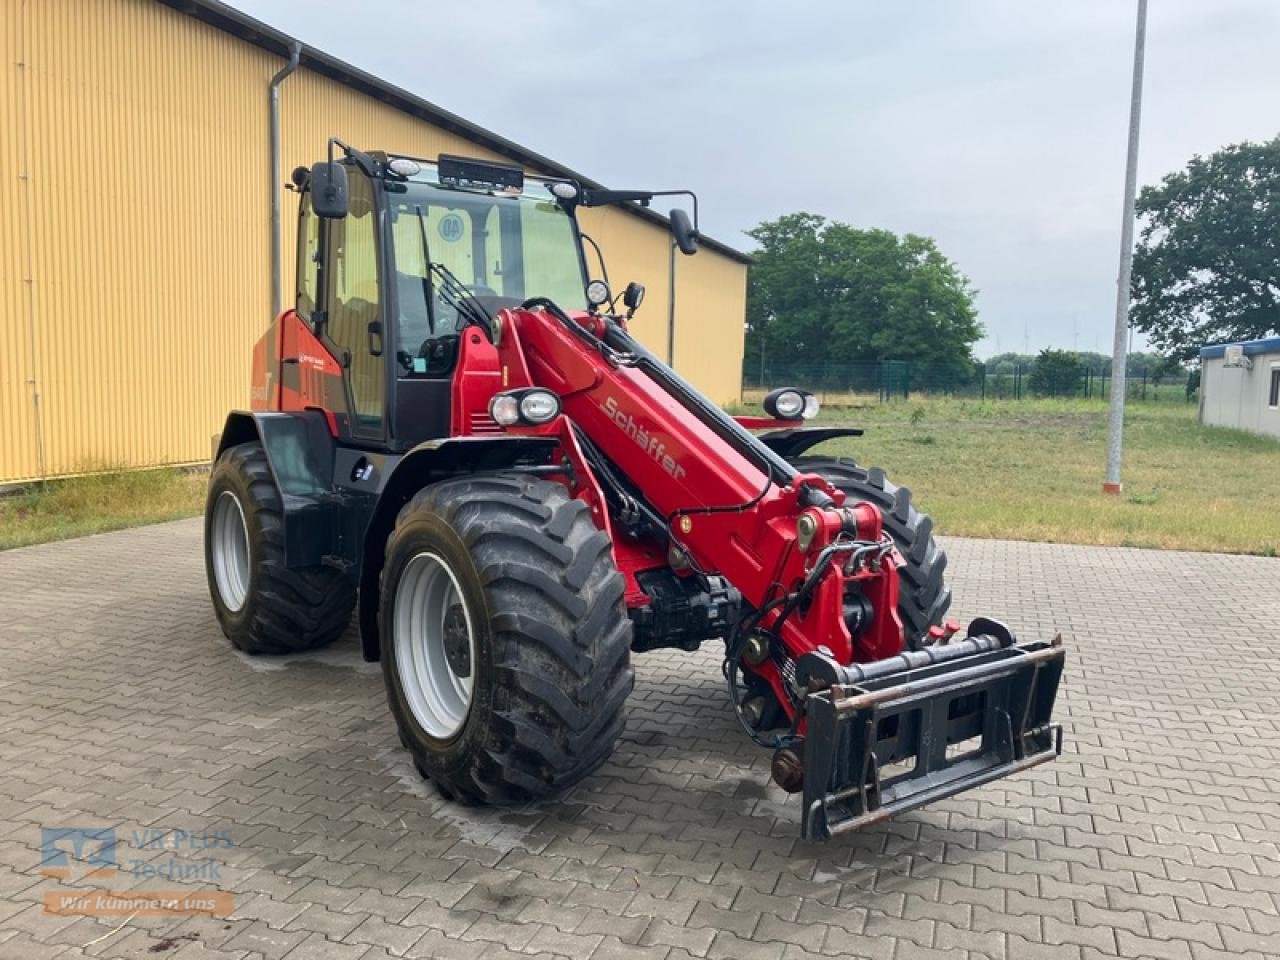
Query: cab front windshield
x=458, y=250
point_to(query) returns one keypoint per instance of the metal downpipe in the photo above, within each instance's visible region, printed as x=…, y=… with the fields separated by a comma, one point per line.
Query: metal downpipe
x=671, y=308
x=273, y=109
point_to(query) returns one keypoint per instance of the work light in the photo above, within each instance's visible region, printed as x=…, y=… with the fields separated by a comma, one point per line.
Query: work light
x=788, y=403
x=404, y=167
x=597, y=293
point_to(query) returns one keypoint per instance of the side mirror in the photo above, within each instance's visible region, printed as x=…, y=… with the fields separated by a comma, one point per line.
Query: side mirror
x=329, y=198
x=685, y=236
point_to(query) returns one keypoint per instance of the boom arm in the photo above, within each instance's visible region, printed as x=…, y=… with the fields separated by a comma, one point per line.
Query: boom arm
x=873, y=730
x=730, y=503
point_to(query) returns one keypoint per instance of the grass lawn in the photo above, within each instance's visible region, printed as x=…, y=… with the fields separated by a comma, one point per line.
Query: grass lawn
x=97, y=502
x=1022, y=470
x=1032, y=470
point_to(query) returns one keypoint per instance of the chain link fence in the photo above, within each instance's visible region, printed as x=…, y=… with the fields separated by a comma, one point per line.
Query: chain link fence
x=902, y=380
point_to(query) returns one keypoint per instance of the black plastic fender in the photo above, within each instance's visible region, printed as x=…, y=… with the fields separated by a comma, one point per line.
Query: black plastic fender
x=793, y=442
x=300, y=451
x=298, y=445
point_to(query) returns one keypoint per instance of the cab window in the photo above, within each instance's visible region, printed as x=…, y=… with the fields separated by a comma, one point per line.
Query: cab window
x=308, y=272
x=353, y=317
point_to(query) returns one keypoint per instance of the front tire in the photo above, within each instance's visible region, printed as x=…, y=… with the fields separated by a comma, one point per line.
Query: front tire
x=923, y=596
x=505, y=639
x=262, y=605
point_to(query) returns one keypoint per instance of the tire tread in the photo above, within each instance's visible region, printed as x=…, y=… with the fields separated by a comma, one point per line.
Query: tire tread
x=561, y=635
x=295, y=609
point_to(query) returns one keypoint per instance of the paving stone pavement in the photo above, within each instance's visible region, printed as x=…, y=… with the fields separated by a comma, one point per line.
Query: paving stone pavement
x=1157, y=834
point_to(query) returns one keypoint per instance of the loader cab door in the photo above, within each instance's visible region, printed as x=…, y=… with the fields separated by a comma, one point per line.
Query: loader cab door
x=426, y=340
x=351, y=304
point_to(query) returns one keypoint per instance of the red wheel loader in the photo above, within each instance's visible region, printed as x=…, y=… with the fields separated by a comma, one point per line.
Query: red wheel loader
x=453, y=431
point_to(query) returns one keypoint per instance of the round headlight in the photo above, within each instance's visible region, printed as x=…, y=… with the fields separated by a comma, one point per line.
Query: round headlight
x=539, y=406
x=404, y=167
x=811, y=407
x=565, y=191
x=505, y=410
x=597, y=293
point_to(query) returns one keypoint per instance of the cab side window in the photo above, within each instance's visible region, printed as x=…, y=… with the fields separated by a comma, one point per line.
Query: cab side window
x=308, y=272
x=353, y=318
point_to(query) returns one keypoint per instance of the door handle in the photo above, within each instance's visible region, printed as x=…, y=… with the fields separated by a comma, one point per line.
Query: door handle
x=375, y=338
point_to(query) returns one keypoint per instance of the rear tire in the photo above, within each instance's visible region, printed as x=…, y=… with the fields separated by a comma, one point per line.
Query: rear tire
x=503, y=577
x=923, y=598
x=262, y=605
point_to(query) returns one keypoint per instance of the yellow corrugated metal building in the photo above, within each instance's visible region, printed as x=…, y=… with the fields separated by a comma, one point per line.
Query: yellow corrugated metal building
x=135, y=239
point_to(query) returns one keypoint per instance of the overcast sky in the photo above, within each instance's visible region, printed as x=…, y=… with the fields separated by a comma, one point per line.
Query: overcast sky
x=998, y=127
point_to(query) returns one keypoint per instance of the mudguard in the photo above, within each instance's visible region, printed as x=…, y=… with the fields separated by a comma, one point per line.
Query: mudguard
x=792, y=443
x=300, y=451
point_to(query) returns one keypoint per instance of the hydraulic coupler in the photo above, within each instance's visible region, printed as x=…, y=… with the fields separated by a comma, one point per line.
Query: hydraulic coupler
x=898, y=733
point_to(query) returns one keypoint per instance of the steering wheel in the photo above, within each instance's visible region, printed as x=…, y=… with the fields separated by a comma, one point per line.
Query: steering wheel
x=439, y=352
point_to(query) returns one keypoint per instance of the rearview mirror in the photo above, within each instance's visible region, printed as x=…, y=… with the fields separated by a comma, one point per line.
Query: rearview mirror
x=329, y=198
x=682, y=230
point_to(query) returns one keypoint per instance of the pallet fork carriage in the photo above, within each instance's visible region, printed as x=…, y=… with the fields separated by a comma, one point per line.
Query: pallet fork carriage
x=455, y=436
x=944, y=719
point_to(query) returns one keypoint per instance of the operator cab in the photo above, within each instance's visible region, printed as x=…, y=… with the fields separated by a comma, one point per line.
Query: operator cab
x=398, y=256
x=500, y=244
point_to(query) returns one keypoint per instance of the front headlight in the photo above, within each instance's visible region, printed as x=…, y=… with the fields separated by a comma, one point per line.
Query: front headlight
x=532, y=405
x=539, y=406
x=505, y=410
x=788, y=403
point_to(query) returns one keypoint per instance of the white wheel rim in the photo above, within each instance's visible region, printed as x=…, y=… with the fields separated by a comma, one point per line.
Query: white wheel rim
x=435, y=645
x=229, y=547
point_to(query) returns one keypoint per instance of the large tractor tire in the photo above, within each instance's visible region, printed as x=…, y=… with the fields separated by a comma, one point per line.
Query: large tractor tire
x=923, y=597
x=506, y=645
x=263, y=605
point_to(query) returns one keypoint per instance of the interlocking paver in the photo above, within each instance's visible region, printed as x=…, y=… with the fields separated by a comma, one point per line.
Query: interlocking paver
x=1153, y=836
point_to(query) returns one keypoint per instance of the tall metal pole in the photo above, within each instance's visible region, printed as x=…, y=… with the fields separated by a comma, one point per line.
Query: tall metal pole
x=1119, y=357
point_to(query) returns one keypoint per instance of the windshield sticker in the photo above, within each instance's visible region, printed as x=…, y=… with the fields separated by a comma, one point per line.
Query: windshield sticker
x=451, y=228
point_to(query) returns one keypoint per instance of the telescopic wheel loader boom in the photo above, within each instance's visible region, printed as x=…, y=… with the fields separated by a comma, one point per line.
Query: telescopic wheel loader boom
x=453, y=431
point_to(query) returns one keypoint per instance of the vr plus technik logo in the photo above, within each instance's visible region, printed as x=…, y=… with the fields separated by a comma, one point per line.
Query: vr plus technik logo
x=90, y=851
x=80, y=854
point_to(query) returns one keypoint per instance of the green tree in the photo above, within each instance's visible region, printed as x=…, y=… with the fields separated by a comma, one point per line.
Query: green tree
x=1057, y=373
x=822, y=292
x=1168, y=368
x=1009, y=362
x=1136, y=363
x=1140, y=362
x=1207, y=265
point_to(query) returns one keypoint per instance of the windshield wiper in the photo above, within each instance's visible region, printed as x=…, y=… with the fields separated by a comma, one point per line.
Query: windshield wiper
x=456, y=294
x=452, y=290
